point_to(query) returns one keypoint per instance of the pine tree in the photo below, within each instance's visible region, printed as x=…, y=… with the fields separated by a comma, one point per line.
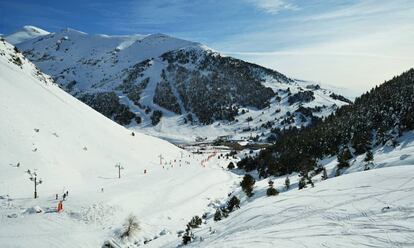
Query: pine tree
x=217, y=215
x=233, y=203
x=195, y=222
x=272, y=191
x=287, y=182
x=302, y=183
x=187, y=237
x=324, y=174
x=343, y=158
x=369, y=156
x=247, y=184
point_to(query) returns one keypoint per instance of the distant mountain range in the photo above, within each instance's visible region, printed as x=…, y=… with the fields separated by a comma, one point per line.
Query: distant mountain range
x=173, y=88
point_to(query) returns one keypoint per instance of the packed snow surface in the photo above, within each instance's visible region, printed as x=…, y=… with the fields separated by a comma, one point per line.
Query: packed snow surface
x=73, y=148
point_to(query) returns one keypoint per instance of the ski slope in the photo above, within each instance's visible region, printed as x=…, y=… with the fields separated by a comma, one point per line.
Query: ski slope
x=73, y=148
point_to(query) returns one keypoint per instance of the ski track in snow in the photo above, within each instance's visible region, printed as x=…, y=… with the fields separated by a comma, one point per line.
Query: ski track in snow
x=348, y=211
x=77, y=152
x=75, y=149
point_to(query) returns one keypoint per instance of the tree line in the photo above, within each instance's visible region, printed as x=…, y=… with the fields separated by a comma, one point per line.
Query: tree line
x=376, y=118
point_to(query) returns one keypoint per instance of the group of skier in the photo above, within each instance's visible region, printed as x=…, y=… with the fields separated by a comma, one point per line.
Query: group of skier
x=60, y=202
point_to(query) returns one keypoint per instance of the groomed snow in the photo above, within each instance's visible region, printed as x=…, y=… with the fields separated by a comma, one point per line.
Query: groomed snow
x=74, y=148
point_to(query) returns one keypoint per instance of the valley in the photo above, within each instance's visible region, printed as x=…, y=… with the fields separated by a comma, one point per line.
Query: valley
x=126, y=141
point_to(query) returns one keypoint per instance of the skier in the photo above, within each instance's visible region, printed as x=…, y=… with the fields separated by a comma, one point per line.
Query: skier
x=64, y=196
x=59, y=206
x=57, y=196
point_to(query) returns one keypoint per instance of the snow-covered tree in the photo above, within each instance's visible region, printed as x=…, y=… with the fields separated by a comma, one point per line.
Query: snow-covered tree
x=195, y=222
x=343, y=157
x=217, y=215
x=302, y=183
x=287, y=182
x=130, y=227
x=187, y=237
x=369, y=157
x=271, y=191
x=324, y=174
x=369, y=160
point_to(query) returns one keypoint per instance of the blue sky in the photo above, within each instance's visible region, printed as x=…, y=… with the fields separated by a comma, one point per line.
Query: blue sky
x=353, y=44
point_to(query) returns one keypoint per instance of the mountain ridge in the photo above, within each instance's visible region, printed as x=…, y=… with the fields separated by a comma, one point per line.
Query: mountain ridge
x=25, y=33
x=154, y=80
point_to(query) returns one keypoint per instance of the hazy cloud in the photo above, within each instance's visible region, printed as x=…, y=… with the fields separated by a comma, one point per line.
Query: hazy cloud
x=273, y=6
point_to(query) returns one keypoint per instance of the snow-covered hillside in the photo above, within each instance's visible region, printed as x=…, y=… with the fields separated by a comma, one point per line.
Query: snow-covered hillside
x=26, y=33
x=366, y=209
x=176, y=89
x=73, y=148
x=373, y=208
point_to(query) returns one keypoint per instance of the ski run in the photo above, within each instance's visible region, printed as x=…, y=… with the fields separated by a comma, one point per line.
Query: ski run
x=108, y=173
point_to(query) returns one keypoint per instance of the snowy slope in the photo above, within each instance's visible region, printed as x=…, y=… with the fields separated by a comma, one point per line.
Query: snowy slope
x=366, y=209
x=275, y=116
x=74, y=148
x=134, y=67
x=371, y=208
x=26, y=33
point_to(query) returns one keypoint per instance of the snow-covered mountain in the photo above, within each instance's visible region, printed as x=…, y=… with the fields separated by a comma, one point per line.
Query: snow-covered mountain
x=73, y=148
x=175, y=88
x=24, y=34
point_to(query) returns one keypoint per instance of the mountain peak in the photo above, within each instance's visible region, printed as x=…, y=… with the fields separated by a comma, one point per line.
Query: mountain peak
x=34, y=29
x=71, y=30
x=25, y=33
